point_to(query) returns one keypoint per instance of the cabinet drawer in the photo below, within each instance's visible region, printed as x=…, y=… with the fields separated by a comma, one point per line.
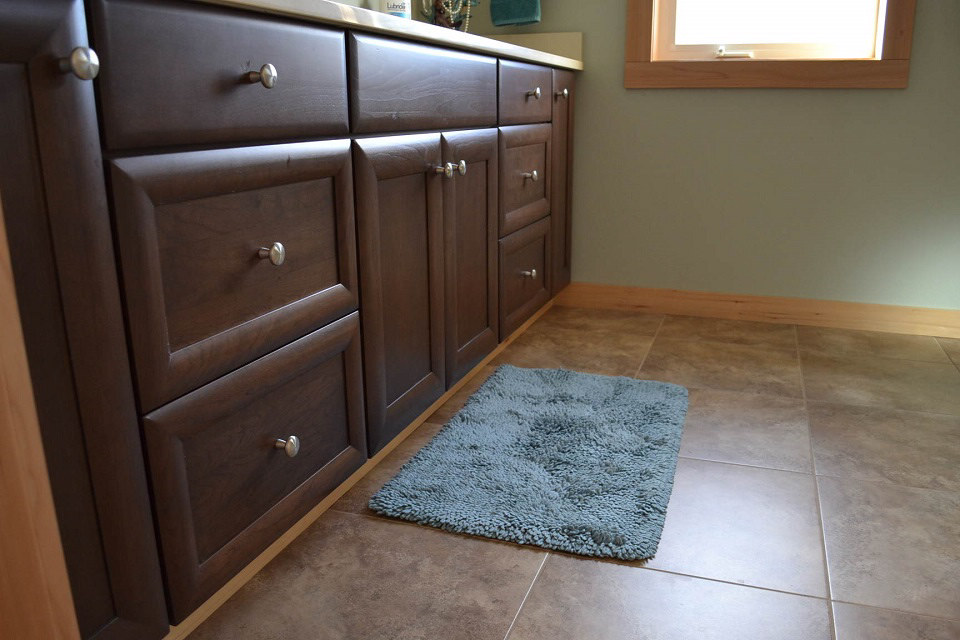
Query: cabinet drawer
x=519, y=83
x=525, y=159
x=223, y=491
x=177, y=73
x=201, y=301
x=525, y=263
x=397, y=86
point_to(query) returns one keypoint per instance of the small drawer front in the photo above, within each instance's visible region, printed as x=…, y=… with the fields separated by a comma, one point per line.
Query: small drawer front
x=401, y=86
x=520, y=86
x=223, y=488
x=525, y=263
x=179, y=73
x=200, y=237
x=525, y=175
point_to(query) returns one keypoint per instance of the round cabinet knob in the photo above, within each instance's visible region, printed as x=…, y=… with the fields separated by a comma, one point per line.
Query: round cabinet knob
x=532, y=274
x=447, y=170
x=533, y=175
x=563, y=94
x=462, y=167
x=536, y=93
x=276, y=253
x=267, y=76
x=83, y=62
x=290, y=446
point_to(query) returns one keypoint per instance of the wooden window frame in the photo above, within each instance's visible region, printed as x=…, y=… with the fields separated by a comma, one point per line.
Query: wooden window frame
x=891, y=71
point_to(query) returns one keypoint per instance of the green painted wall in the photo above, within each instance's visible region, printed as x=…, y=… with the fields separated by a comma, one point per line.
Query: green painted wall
x=832, y=194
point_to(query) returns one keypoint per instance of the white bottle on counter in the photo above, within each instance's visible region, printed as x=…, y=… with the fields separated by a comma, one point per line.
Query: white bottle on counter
x=399, y=8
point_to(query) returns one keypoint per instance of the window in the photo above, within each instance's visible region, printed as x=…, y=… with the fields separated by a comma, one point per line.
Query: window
x=768, y=43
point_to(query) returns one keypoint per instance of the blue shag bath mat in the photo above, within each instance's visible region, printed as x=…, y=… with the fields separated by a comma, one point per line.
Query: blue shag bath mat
x=563, y=460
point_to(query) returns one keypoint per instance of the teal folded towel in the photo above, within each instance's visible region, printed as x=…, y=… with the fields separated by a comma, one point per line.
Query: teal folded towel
x=504, y=12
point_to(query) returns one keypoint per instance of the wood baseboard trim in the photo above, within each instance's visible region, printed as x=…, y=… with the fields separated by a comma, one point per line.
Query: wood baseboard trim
x=822, y=313
x=205, y=610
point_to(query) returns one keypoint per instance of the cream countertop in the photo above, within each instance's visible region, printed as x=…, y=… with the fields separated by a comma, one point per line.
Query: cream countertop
x=342, y=15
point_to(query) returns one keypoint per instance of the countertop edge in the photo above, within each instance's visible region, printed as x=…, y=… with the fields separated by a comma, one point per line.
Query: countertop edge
x=341, y=15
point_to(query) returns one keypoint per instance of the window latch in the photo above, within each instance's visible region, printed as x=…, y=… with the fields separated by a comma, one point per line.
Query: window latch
x=723, y=53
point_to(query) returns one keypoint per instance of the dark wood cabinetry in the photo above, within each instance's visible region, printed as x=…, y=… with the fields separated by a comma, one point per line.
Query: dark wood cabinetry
x=58, y=228
x=470, y=250
x=178, y=73
x=402, y=86
x=253, y=238
x=201, y=299
x=525, y=274
x=561, y=187
x=525, y=175
x=400, y=233
x=223, y=489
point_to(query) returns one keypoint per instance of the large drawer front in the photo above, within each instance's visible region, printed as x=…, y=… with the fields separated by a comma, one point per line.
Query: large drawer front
x=223, y=491
x=201, y=301
x=397, y=86
x=525, y=263
x=525, y=175
x=177, y=73
x=520, y=85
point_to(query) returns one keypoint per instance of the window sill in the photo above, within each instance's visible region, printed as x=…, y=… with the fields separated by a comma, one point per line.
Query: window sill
x=820, y=74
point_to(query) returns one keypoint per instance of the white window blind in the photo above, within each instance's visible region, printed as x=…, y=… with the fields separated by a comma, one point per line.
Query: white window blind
x=768, y=29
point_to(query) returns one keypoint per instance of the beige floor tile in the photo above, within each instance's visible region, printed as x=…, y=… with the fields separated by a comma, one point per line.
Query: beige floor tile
x=602, y=351
x=576, y=599
x=762, y=431
x=758, y=527
x=355, y=500
x=893, y=547
x=754, y=334
x=846, y=342
x=854, y=622
x=350, y=577
x=730, y=367
x=870, y=443
x=883, y=382
x=952, y=348
x=579, y=319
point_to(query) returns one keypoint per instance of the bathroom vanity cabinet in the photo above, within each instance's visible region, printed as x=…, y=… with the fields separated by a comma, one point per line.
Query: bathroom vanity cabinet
x=248, y=254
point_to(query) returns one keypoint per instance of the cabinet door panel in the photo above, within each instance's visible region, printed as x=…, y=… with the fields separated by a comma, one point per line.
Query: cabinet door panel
x=525, y=175
x=400, y=233
x=561, y=187
x=223, y=490
x=470, y=256
x=57, y=223
x=525, y=275
x=201, y=301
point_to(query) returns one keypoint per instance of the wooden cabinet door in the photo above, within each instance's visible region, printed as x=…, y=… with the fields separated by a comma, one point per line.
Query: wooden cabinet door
x=400, y=238
x=470, y=250
x=58, y=228
x=561, y=187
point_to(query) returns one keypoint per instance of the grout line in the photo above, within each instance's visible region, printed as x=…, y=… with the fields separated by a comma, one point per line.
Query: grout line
x=816, y=486
x=904, y=611
x=746, y=466
x=526, y=595
x=652, y=341
x=730, y=582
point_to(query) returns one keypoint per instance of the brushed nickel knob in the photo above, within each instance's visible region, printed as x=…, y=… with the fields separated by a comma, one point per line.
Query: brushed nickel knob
x=536, y=93
x=267, y=76
x=83, y=62
x=462, y=167
x=290, y=446
x=533, y=175
x=447, y=170
x=276, y=253
x=532, y=274
x=563, y=94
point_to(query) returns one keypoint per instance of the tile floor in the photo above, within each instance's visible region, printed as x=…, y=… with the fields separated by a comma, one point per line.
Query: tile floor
x=817, y=496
